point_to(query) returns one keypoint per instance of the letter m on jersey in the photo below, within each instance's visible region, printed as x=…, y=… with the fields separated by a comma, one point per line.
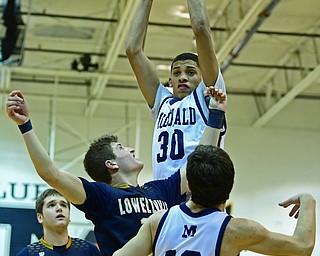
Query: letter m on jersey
x=189, y=231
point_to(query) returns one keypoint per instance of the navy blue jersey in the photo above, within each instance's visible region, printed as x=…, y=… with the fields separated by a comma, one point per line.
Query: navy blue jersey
x=75, y=246
x=118, y=213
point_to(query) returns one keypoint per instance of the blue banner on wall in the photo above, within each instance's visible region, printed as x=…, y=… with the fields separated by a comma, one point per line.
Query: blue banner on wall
x=23, y=223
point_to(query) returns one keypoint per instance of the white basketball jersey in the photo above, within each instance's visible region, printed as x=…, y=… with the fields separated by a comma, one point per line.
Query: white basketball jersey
x=179, y=125
x=182, y=232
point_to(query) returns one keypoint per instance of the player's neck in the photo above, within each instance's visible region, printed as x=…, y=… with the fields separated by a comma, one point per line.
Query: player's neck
x=120, y=179
x=56, y=238
x=198, y=208
x=195, y=207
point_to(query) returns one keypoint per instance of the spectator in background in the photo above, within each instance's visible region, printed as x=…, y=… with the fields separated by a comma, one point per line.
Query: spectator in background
x=53, y=213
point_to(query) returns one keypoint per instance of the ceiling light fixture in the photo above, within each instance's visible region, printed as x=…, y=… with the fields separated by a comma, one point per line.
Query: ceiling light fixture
x=180, y=11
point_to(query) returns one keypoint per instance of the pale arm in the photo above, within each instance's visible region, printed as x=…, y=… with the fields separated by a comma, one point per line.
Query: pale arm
x=144, y=70
x=201, y=28
x=301, y=242
x=68, y=185
x=210, y=136
x=141, y=244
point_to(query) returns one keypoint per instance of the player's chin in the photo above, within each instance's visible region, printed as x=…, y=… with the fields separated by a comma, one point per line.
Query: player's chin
x=184, y=93
x=62, y=223
x=141, y=164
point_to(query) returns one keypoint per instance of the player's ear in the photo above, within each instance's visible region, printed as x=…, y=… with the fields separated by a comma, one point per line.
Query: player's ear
x=188, y=188
x=170, y=82
x=40, y=218
x=112, y=166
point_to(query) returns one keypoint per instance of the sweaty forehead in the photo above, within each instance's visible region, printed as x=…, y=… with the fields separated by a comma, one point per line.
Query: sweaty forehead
x=184, y=63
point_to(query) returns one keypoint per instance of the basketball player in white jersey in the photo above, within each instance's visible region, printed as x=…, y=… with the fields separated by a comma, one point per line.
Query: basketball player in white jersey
x=180, y=117
x=201, y=227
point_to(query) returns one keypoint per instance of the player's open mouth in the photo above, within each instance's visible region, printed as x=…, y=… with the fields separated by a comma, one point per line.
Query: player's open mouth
x=183, y=87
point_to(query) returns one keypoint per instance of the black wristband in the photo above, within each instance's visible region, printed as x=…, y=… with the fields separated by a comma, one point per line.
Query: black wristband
x=216, y=117
x=27, y=126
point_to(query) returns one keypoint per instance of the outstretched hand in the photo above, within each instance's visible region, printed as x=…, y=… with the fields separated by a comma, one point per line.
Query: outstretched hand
x=218, y=98
x=295, y=200
x=17, y=108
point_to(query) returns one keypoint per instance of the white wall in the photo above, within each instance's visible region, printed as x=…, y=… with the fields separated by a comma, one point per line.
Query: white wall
x=271, y=166
x=272, y=162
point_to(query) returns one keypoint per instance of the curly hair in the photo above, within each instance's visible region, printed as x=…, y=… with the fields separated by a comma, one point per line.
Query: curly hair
x=99, y=151
x=210, y=175
x=48, y=192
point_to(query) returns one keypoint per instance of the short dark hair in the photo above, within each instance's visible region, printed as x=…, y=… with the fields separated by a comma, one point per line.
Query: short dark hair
x=99, y=151
x=185, y=56
x=210, y=175
x=48, y=192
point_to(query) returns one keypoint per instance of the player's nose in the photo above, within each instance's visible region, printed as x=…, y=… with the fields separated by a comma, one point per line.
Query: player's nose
x=131, y=150
x=183, y=78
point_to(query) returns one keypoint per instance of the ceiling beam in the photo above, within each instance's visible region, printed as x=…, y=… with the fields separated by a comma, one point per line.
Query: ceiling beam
x=52, y=73
x=112, y=53
x=241, y=30
x=215, y=17
x=301, y=42
x=236, y=50
x=70, y=74
x=284, y=101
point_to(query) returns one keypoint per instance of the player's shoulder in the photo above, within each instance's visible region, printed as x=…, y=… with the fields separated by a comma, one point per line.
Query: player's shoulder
x=155, y=219
x=23, y=252
x=157, y=215
x=242, y=228
x=241, y=233
x=81, y=244
x=32, y=249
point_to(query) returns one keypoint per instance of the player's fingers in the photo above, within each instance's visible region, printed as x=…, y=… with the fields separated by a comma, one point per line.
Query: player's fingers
x=11, y=103
x=292, y=200
x=12, y=108
x=11, y=111
x=209, y=90
x=286, y=203
x=294, y=210
x=212, y=90
x=222, y=97
x=16, y=99
x=16, y=92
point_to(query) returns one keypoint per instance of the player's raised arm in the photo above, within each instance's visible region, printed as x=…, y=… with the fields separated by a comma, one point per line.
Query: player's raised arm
x=68, y=185
x=217, y=108
x=201, y=28
x=250, y=235
x=144, y=70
